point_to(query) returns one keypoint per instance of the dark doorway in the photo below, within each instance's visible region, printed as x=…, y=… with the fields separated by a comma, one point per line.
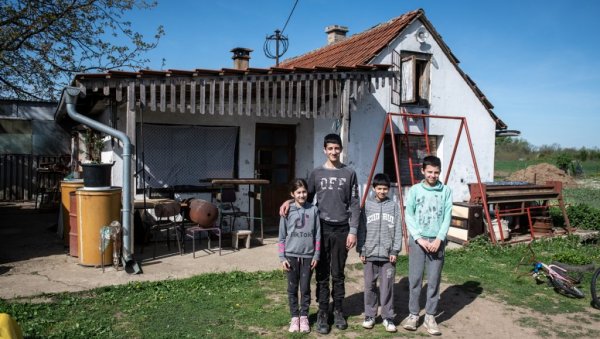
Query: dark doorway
x=275, y=161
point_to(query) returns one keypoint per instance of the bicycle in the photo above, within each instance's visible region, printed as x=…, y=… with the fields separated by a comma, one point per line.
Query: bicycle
x=595, y=288
x=556, y=276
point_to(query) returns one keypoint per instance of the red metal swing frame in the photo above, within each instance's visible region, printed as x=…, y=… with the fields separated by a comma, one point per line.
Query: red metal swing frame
x=388, y=124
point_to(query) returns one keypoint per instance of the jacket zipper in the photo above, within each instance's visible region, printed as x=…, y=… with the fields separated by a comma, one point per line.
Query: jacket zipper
x=380, y=217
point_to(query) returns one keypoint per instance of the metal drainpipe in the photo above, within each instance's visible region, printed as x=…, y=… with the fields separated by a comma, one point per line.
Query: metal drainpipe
x=71, y=98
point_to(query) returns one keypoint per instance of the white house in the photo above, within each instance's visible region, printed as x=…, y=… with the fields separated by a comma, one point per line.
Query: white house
x=269, y=123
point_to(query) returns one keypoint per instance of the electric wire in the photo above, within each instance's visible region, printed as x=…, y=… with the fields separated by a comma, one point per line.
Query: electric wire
x=289, y=17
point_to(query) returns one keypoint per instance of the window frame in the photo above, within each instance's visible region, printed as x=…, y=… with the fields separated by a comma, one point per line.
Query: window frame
x=415, y=77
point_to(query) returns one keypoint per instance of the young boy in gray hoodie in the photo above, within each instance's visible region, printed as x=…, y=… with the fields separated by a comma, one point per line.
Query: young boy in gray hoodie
x=379, y=242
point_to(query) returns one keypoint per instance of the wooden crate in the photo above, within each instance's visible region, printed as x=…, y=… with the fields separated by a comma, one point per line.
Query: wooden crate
x=466, y=223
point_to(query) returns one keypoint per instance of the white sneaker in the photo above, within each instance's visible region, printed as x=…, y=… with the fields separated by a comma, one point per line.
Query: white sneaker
x=294, y=325
x=369, y=322
x=389, y=325
x=431, y=325
x=410, y=323
x=304, y=324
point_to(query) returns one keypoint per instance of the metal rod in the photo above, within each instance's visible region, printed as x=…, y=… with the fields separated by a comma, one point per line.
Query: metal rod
x=453, y=153
x=379, y=144
x=399, y=181
x=483, y=196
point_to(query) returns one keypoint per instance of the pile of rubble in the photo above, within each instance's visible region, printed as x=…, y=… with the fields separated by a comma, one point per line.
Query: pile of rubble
x=541, y=173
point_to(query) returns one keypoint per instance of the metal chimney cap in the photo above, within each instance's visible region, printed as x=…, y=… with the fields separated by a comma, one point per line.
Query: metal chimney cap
x=241, y=50
x=336, y=28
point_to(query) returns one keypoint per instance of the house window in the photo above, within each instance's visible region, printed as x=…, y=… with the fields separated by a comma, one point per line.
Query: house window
x=415, y=79
x=417, y=146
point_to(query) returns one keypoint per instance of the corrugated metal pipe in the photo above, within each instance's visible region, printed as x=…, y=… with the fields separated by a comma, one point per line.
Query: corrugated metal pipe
x=72, y=93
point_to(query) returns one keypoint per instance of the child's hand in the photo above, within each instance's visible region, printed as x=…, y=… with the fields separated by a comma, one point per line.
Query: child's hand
x=363, y=259
x=285, y=265
x=285, y=207
x=435, y=245
x=424, y=243
x=350, y=241
x=392, y=259
x=313, y=264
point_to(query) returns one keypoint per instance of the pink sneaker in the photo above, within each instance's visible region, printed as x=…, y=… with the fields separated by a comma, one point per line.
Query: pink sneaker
x=304, y=325
x=294, y=325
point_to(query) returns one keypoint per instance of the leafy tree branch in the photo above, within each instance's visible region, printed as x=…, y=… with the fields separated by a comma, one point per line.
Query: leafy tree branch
x=43, y=43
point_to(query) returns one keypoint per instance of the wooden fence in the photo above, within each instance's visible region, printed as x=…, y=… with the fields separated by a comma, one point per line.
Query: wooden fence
x=21, y=175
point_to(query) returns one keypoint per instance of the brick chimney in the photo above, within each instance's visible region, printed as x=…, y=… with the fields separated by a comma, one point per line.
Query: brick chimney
x=335, y=33
x=241, y=57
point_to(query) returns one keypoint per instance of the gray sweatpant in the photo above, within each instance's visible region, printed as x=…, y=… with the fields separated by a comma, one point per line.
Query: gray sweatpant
x=417, y=260
x=384, y=271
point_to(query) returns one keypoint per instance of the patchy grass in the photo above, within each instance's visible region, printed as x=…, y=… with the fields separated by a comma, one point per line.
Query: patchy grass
x=583, y=195
x=241, y=305
x=204, y=306
x=496, y=269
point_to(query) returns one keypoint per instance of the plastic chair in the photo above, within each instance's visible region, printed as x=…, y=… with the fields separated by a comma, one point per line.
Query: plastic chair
x=166, y=219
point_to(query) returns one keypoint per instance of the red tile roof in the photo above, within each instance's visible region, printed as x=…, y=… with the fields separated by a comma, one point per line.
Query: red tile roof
x=361, y=48
x=358, y=49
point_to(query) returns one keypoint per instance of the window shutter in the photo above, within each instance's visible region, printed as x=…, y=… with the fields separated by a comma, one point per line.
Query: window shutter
x=396, y=84
x=409, y=90
x=424, y=82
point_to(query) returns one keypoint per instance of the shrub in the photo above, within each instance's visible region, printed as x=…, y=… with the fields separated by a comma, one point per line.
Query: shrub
x=563, y=161
x=580, y=216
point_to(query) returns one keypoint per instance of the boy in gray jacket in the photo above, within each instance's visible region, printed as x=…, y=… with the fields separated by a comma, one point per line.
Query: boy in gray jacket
x=379, y=242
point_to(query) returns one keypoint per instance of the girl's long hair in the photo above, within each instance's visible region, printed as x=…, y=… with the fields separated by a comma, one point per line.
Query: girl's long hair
x=297, y=183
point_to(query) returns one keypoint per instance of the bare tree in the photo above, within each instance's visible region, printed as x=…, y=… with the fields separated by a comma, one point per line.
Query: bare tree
x=43, y=43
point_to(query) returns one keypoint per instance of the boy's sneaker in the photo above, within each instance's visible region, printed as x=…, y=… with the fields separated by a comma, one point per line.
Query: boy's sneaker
x=339, y=320
x=294, y=325
x=369, y=322
x=389, y=325
x=304, y=325
x=322, y=322
x=431, y=325
x=410, y=323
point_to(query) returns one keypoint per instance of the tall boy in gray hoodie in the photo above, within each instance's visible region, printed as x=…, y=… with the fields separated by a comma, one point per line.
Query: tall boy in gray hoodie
x=379, y=242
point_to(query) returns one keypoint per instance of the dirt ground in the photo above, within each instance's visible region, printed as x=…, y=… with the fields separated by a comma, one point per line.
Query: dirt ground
x=541, y=173
x=34, y=261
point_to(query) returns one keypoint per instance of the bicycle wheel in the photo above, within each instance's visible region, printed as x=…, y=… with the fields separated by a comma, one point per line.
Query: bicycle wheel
x=596, y=289
x=566, y=288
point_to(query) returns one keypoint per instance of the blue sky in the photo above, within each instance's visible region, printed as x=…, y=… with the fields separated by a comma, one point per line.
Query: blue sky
x=538, y=61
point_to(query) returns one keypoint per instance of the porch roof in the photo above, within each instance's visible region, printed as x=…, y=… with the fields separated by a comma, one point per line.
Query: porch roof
x=279, y=92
